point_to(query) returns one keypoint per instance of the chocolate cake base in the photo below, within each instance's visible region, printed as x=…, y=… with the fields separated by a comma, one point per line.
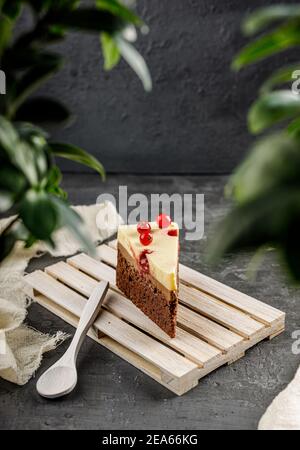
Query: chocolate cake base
x=146, y=295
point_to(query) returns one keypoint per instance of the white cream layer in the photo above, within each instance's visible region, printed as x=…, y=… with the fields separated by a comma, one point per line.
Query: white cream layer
x=163, y=259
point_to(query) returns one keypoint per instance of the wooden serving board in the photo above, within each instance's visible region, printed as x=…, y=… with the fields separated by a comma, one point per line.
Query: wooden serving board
x=216, y=324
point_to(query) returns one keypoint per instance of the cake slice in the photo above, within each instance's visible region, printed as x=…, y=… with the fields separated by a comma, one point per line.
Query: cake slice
x=147, y=270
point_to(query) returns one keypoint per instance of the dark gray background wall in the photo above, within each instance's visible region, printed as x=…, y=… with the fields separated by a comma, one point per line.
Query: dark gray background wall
x=194, y=120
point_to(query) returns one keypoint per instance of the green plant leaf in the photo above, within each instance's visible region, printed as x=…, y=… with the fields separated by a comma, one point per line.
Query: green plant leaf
x=40, y=5
x=293, y=129
x=263, y=17
x=69, y=218
x=18, y=59
x=52, y=184
x=39, y=213
x=110, y=51
x=43, y=110
x=11, y=179
x=15, y=231
x=117, y=9
x=76, y=154
x=272, y=108
x=279, y=77
x=29, y=158
x=31, y=80
x=135, y=61
x=12, y=186
x=6, y=200
x=88, y=20
x=7, y=243
x=31, y=132
x=272, y=162
x=5, y=32
x=266, y=219
x=8, y=136
x=12, y=9
x=284, y=37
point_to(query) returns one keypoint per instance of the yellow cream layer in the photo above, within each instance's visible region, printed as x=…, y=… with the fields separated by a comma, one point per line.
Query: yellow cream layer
x=163, y=259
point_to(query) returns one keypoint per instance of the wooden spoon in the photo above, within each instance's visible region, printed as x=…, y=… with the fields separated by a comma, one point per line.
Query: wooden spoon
x=61, y=378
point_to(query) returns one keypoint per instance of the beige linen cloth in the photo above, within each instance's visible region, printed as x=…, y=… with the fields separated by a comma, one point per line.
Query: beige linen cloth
x=21, y=347
x=284, y=411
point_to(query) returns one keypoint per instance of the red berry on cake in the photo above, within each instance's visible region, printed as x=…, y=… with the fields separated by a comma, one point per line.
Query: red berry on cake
x=143, y=261
x=146, y=238
x=173, y=232
x=143, y=227
x=163, y=220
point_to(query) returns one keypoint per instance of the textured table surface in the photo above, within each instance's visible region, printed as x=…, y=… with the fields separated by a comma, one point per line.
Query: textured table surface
x=111, y=394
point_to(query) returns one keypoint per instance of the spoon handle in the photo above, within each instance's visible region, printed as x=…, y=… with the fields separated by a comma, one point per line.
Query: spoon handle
x=88, y=316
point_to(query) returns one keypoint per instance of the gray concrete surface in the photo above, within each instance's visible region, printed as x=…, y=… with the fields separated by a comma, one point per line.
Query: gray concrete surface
x=111, y=394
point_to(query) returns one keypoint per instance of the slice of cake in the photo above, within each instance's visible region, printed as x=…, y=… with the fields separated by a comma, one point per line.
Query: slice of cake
x=147, y=269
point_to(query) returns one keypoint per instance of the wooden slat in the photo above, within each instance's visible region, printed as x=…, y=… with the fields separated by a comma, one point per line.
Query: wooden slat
x=166, y=359
x=107, y=254
x=96, y=269
x=195, y=349
x=211, y=332
x=113, y=243
x=169, y=361
x=255, y=308
x=218, y=311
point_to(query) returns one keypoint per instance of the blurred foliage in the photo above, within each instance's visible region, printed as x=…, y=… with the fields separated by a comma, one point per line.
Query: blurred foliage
x=29, y=179
x=265, y=188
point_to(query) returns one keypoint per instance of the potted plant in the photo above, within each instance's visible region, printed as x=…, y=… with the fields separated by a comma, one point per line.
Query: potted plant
x=29, y=177
x=265, y=187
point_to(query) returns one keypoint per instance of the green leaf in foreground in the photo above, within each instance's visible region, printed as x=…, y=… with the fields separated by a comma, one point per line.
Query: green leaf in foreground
x=279, y=77
x=268, y=219
x=69, y=218
x=263, y=17
x=110, y=51
x=12, y=8
x=117, y=9
x=135, y=61
x=6, y=200
x=89, y=19
x=7, y=243
x=28, y=157
x=76, y=154
x=12, y=184
x=272, y=108
x=43, y=110
x=293, y=129
x=52, y=184
x=31, y=80
x=39, y=214
x=284, y=37
x=272, y=162
x=5, y=32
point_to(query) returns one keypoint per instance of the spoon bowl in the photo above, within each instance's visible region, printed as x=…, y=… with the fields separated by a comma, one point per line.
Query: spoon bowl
x=57, y=381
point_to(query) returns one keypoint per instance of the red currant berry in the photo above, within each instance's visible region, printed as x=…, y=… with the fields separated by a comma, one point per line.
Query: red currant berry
x=163, y=221
x=143, y=261
x=146, y=238
x=144, y=227
x=173, y=232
